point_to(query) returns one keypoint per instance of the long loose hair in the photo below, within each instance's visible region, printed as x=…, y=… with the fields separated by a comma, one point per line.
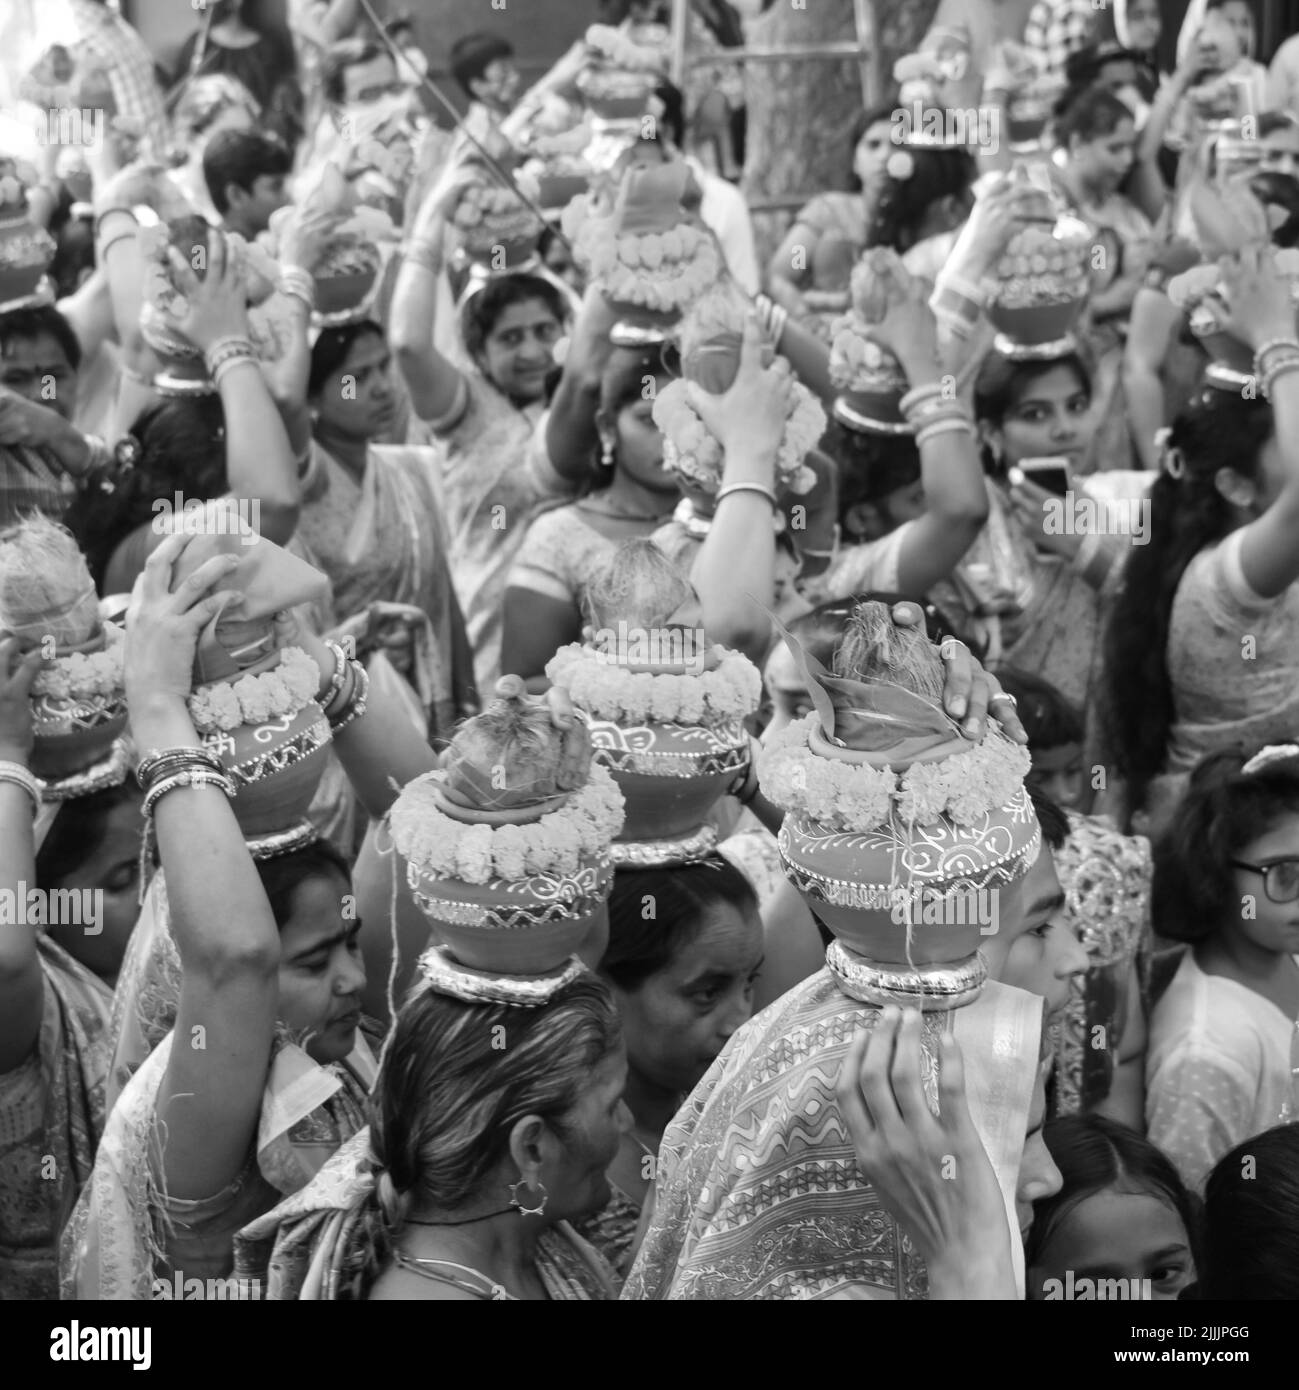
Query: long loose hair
x=1218, y=429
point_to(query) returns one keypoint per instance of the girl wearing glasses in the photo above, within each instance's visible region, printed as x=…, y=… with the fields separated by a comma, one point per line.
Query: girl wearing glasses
x=1222, y=1036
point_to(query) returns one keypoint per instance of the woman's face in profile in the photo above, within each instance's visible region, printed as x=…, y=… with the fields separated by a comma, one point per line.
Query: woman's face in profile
x=871, y=154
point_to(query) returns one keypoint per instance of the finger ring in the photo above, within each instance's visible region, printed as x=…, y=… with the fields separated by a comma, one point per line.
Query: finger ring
x=1002, y=695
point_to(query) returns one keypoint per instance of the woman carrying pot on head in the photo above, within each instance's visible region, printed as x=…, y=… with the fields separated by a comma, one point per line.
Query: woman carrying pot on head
x=1219, y=566
x=494, y=471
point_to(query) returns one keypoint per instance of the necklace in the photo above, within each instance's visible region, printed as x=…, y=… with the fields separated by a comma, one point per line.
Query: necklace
x=467, y=1221
x=426, y=1269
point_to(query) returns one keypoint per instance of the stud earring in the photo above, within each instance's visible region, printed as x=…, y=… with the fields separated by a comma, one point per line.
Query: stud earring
x=514, y=1198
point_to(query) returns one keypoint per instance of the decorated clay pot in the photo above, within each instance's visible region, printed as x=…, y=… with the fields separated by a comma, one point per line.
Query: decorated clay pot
x=877, y=411
x=25, y=252
x=1027, y=118
x=76, y=731
x=670, y=775
x=1043, y=282
x=276, y=767
x=613, y=94
x=182, y=369
x=341, y=294
x=518, y=927
x=897, y=892
x=949, y=889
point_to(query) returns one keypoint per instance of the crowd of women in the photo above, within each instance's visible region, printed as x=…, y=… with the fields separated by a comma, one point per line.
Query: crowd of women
x=287, y=446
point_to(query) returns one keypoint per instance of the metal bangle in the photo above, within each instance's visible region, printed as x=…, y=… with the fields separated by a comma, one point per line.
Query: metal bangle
x=220, y=373
x=356, y=705
x=949, y=426
x=336, y=680
x=23, y=777
x=112, y=212
x=758, y=488
x=197, y=777
x=1271, y=345
x=158, y=762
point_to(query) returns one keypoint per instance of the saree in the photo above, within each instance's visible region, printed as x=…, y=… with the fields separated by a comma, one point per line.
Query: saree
x=1032, y=610
x=759, y=1195
x=312, y=1245
x=381, y=542
x=118, y=1239
x=51, y=1116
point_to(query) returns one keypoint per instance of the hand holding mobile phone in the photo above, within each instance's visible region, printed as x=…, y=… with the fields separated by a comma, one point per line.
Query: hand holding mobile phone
x=1049, y=473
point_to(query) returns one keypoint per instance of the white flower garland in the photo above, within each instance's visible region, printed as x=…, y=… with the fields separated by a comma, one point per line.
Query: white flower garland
x=692, y=450
x=622, y=52
x=447, y=848
x=844, y=796
x=606, y=690
x=486, y=216
x=80, y=675
x=662, y=271
x=857, y=362
x=255, y=700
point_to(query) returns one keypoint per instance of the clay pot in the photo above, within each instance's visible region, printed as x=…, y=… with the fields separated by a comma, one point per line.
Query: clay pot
x=1037, y=323
x=612, y=94
x=852, y=881
x=671, y=775
x=74, y=734
x=524, y=927
x=25, y=252
x=276, y=767
x=342, y=294
x=879, y=411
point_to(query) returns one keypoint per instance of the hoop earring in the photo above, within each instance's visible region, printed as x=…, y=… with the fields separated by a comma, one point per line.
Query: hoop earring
x=607, y=454
x=514, y=1197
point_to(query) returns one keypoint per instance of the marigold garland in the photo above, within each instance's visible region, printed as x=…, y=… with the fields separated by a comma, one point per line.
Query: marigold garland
x=256, y=699
x=486, y=217
x=80, y=675
x=435, y=842
x=857, y=362
x=606, y=690
x=843, y=797
x=692, y=450
x=661, y=271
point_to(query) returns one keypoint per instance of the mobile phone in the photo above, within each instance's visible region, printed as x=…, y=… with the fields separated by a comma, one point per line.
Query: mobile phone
x=1049, y=473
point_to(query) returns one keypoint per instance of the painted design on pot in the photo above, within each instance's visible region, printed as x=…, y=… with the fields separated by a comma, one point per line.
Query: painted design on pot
x=900, y=834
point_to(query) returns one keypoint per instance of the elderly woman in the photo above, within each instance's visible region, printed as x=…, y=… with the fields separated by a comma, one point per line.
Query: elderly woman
x=476, y=1159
